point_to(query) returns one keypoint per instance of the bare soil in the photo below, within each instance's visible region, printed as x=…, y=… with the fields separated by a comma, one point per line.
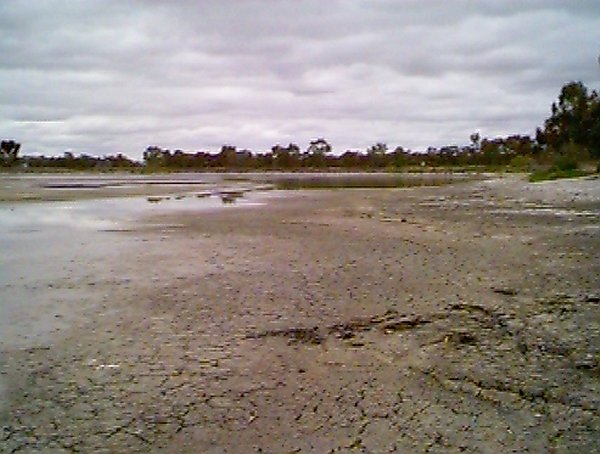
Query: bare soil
x=462, y=318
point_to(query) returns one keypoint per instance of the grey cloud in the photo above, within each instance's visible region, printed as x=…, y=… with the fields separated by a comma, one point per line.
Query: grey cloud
x=102, y=77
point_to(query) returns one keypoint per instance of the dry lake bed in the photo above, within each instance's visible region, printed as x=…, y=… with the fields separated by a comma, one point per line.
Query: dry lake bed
x=252, y=313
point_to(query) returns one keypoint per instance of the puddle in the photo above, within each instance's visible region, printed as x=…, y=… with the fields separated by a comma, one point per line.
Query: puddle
x=111, y=213
x=54, y=254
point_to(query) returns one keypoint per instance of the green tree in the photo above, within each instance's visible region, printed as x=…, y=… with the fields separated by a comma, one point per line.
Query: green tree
x=476, y=141
x=377, y=154
x=317, y=151
x=574, y=119
x=491, y=152
x=154, y=156
x=9, y=150
x=318, y=147
x=286, y=157
x=400, y=157
x=227, y=156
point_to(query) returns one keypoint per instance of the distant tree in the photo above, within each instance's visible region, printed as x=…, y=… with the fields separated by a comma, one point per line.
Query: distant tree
x=318, y=147
x=519, y=145
x=286, y=157
x=476, y=141
x=574, y=119
x=244, y=159
x=492, y=152
x=350, y=159
x=378, y=149
x=316, y=152
x=116, y=162
x=9, y=150
x=377, y=154
x=154, y=156
x=540, y=137
x=293, y=150
x=227, y=156
x=400, y=157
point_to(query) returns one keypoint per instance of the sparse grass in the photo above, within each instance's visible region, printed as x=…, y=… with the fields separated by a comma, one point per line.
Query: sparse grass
x=556, y=174
x=363, y=181
x=566, y=165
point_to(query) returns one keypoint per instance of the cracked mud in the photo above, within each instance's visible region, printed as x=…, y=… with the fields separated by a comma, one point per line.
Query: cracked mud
x=318, y=324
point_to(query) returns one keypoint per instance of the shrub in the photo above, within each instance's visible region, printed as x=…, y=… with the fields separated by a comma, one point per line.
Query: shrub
x=520, y=162
x=565, y=163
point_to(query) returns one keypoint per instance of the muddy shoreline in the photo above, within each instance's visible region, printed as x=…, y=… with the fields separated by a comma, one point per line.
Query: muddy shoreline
x=462, y=318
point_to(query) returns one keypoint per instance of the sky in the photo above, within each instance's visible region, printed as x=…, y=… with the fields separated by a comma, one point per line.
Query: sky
x=107, y=77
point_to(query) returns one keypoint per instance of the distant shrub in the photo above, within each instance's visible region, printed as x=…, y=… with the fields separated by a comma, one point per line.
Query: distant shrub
x=565, y=163
x=520, y=162
x=554, y=174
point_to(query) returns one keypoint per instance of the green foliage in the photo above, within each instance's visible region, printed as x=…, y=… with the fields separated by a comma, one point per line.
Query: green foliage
x=475, y=140
x=575, y=119
x=9, y=150
x=377, y=155
x=555, y=174
x=82, y=162
x=521, y=163
x=286, y=157
x=565, y=163
x=319, y=147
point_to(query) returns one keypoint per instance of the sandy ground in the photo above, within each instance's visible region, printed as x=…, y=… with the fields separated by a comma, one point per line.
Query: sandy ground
x=462, y=318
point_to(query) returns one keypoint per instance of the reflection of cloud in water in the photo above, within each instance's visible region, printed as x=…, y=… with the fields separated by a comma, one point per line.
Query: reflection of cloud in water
x=100, y=214
x=52, y=251
x=66, y=217
x=31, y=217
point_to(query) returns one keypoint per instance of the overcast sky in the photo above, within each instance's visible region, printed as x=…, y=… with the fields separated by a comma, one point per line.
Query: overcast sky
x=102, y=77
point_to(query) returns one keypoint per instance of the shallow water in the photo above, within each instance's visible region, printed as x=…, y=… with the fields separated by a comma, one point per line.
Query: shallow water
x=53, y=254
x=88, y=183
x=101, y=214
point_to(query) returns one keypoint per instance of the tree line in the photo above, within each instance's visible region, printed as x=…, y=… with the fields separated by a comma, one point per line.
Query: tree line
x=499, y=151
x=571, y=133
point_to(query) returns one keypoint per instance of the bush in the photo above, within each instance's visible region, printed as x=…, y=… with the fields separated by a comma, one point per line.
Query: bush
x=565, y=163
x=520, y=163
x=555, y=175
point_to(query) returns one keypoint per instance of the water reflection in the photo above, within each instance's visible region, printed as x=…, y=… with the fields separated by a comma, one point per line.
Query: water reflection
x=103, y=214
x=53, y=253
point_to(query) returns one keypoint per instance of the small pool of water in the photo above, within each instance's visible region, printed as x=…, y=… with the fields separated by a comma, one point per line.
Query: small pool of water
x=109, y=213
x=52, y=253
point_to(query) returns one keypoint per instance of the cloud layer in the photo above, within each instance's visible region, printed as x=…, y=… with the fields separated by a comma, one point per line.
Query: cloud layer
x=112, y=76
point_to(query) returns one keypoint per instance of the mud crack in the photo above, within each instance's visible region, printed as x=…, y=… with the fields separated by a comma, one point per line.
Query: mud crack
x=389, y=322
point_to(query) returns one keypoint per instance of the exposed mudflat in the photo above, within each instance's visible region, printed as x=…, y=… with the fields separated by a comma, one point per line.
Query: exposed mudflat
x=462, y=318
